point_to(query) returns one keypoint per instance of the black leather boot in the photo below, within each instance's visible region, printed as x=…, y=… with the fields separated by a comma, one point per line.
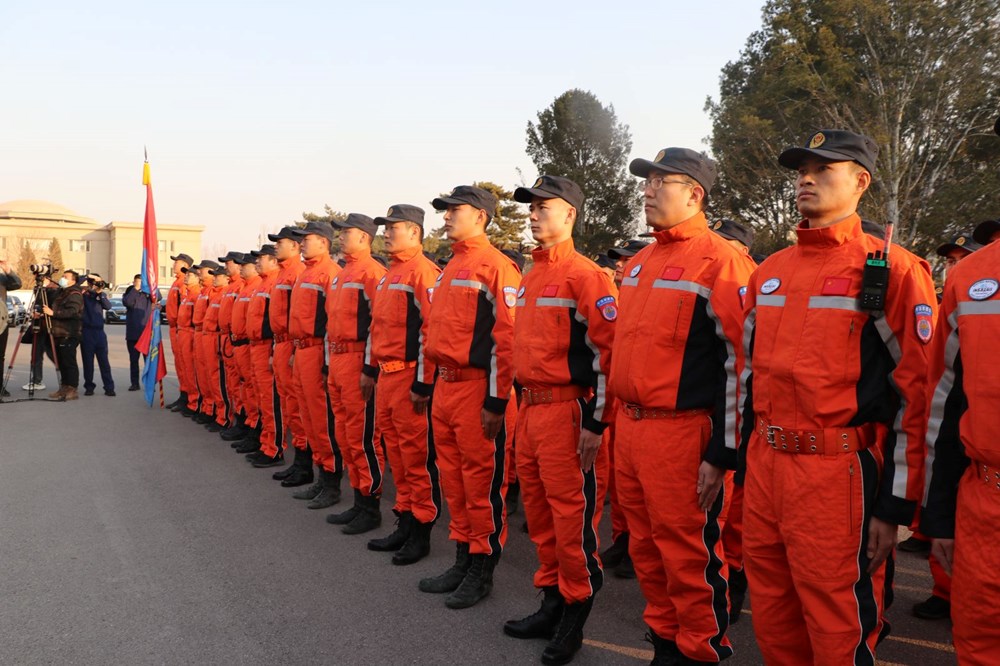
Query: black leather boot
x=665, y=652
x=237, y=432
x=368, y=518
x=397, y=538
x=453, y=577
x=330, y=491
x=345, y=517
x=312, y=491
x=248, y=446
x=175, y=406
x=476, y=585
x=513, y=497
x=543, y=622
x=268, y=461
x=568, y=638
x=302, y=459
x=300, y=475
x=417, y=546
x=616, y=552
x=737, y=594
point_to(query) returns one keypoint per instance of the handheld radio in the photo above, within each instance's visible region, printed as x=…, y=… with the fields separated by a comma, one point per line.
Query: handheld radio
x=875, y=278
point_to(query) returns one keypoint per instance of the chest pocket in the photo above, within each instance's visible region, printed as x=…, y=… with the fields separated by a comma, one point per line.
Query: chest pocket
x=835, y=357
x=674, y=301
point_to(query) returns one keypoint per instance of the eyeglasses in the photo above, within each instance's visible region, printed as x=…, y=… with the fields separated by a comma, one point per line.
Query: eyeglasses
x=656, y=182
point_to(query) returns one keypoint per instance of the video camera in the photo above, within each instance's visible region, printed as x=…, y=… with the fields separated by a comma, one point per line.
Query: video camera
x=42, y=270
x=97, y=284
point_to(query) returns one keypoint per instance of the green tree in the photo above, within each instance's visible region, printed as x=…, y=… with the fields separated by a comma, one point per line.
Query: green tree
x=55, y=255
x=328, y=216
x=25, y=257
x=580, y=138
x=510, y=221
x=918, y=77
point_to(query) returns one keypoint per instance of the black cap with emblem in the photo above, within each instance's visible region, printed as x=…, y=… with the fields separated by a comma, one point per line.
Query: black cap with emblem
x=321, y=229
x=732, y=230
x=476, y=197
x=245, y=258
x=604, y=261
x=835, y=146
x=402, y=213
x=265, y=250
x=291, y=233
x=358, y=221
x=230, y=256
x=627, y=249
x=985, y=230
x=678, y=160
x=960, y=242
x=552, y=187
x=206, y=263
x=183, y=257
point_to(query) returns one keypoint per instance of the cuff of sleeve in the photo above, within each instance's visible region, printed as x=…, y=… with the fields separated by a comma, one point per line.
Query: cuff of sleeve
x=593, y=425
x=720, y=457
x=423, y=389
x=370, y=371
x=895, y=510
x=495, y=405
x=937, y=527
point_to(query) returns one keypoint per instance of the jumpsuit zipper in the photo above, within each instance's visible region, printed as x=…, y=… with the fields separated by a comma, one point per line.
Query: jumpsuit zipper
x=850, y=496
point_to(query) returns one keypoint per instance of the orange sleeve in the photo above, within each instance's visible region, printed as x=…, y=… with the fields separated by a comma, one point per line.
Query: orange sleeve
x=502, y=293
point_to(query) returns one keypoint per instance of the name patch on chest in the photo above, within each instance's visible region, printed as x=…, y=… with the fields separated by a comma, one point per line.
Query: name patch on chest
x=770, y=286
x=983, y=289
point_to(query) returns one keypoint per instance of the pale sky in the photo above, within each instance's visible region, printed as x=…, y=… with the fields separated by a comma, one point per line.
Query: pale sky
x=254, y=112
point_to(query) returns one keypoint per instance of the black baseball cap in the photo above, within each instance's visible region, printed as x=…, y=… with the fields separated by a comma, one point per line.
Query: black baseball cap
x=358, y=221
x=552, y=187
x=402, y=213
x=208, y=263
x=984, y=231
x=678, y=160
x=183, y=257
x=604, y=261
x=230, y=256
x=516, y=257
x=219, y=271
x=476, y=197
x=319, y=228
x=245, y=258
x=873, y=229
x=265, y=250
x=732, y=230
x=291, y=233
x=960, y=242
x=835, y=146
x=627, y=249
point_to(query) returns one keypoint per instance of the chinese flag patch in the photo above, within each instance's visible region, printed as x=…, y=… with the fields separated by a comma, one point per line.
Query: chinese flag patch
x=672, y=273
x=836, y=286
x=550, y=290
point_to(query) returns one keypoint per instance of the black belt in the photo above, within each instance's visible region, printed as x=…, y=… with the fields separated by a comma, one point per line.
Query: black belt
x=240, y=343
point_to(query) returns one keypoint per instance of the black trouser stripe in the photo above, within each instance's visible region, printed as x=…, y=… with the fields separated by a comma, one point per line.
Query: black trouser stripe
x=331, y=431
x=279, y=428
x=431, y=466
x=589, y=536
x=496, y=497
x=868, y=613
x=223, y=389
x=713, y=576
x=368, y=444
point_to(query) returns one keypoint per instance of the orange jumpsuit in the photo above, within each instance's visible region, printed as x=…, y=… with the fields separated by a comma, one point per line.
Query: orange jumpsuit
x=675, y=371
x=232, y=371
x=203, y=363
x=470, y=338
x=833, y=428
x=962, y=497
x=348, y=309
x=278, y=312
x=174, y=297
x=562, y=353
x=241, y=350
x=186, y=333
x=261, y=347
x=396, y=339
x=306, y=328
x=212, y=337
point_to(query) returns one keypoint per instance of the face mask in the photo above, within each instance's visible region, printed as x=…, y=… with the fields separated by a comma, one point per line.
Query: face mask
x=63, y=282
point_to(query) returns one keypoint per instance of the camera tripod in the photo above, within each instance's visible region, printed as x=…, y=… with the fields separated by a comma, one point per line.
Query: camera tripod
x=39, y=295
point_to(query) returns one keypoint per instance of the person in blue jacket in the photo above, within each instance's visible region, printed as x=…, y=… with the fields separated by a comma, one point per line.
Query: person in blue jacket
x=137, y=307
x=94, y=341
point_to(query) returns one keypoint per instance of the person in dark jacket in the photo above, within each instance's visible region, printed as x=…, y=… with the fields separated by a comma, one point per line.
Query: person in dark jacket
x=137, y=307
x=95, y=341
x=65, y=321
x=8, y=280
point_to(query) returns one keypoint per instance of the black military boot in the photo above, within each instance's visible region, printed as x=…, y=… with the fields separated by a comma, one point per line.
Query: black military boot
x=175, y=406
x=665, y=652
x=394, y=541
x=368, y=518
x=187, y=412
x=543, y=622
x=625, y=568
x=453, y=577
x=213, y=425
x=417, y=546
x=616, y=552
x=237, y=432
x=301, y=459
x=300, y=475
x=330, y=492
x=202, y=418
x=476, y=585
x=737, y=594
x=345, y=517
x=513, y=497
x=312, y=491
x=268, y=461
x=248, y=446
x=568, y=638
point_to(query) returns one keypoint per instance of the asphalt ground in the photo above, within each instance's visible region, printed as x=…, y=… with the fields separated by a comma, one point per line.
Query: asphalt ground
x=131, y=535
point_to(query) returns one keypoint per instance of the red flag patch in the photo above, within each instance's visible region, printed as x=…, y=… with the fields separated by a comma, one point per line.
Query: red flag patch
x=836, y=286
x=672, y=273
x=550, y=290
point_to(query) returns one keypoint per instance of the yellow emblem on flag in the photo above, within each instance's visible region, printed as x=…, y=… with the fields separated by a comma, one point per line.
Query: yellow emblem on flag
x=817, y=140
x=960, y=241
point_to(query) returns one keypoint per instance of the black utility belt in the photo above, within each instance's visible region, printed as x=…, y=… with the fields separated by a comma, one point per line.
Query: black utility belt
x=240, y=343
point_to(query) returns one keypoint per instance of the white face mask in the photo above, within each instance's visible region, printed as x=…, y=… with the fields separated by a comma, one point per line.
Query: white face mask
x=63, y=282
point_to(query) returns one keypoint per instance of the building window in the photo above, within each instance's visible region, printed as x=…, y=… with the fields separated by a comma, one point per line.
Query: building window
x=79, y=246
x=163, y=272
x=166, y=246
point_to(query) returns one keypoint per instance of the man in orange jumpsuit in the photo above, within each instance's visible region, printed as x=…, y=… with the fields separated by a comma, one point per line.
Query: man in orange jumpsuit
x=261, y=350
x=675, y=370
x=307, y=328
x=834, y=415
x=211, y=334
x=470, y=337
x=288, y=253
x=405, y=382
x=202, y=343
x=185, y=354
x=562, y=353
x=238, y=429
x=352, y=394
x=241, y=350
x=962, y=502
x=174, y=297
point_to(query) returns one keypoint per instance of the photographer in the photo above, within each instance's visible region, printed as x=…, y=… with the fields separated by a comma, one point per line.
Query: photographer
x=137, y=306
x=8, y=280
x=94, y=341
x=41, y=343
x=65, y=314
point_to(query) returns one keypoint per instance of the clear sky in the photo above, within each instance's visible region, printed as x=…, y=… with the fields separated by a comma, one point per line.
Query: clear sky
x=254, y=112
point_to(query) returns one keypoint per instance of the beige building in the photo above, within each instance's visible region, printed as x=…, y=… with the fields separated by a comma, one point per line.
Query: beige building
x=113, y=250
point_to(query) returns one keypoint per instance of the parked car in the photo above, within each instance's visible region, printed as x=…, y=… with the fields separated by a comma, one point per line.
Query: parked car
x=116, y=315
x=16, y=312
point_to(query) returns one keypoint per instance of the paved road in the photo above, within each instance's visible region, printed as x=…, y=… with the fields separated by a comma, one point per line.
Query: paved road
x=133, y=536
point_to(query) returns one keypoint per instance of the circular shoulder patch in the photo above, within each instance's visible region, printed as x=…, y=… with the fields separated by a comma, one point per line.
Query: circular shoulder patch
x=520, y=292
x=635, y=270
x=770, y=286
x=983, y=289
